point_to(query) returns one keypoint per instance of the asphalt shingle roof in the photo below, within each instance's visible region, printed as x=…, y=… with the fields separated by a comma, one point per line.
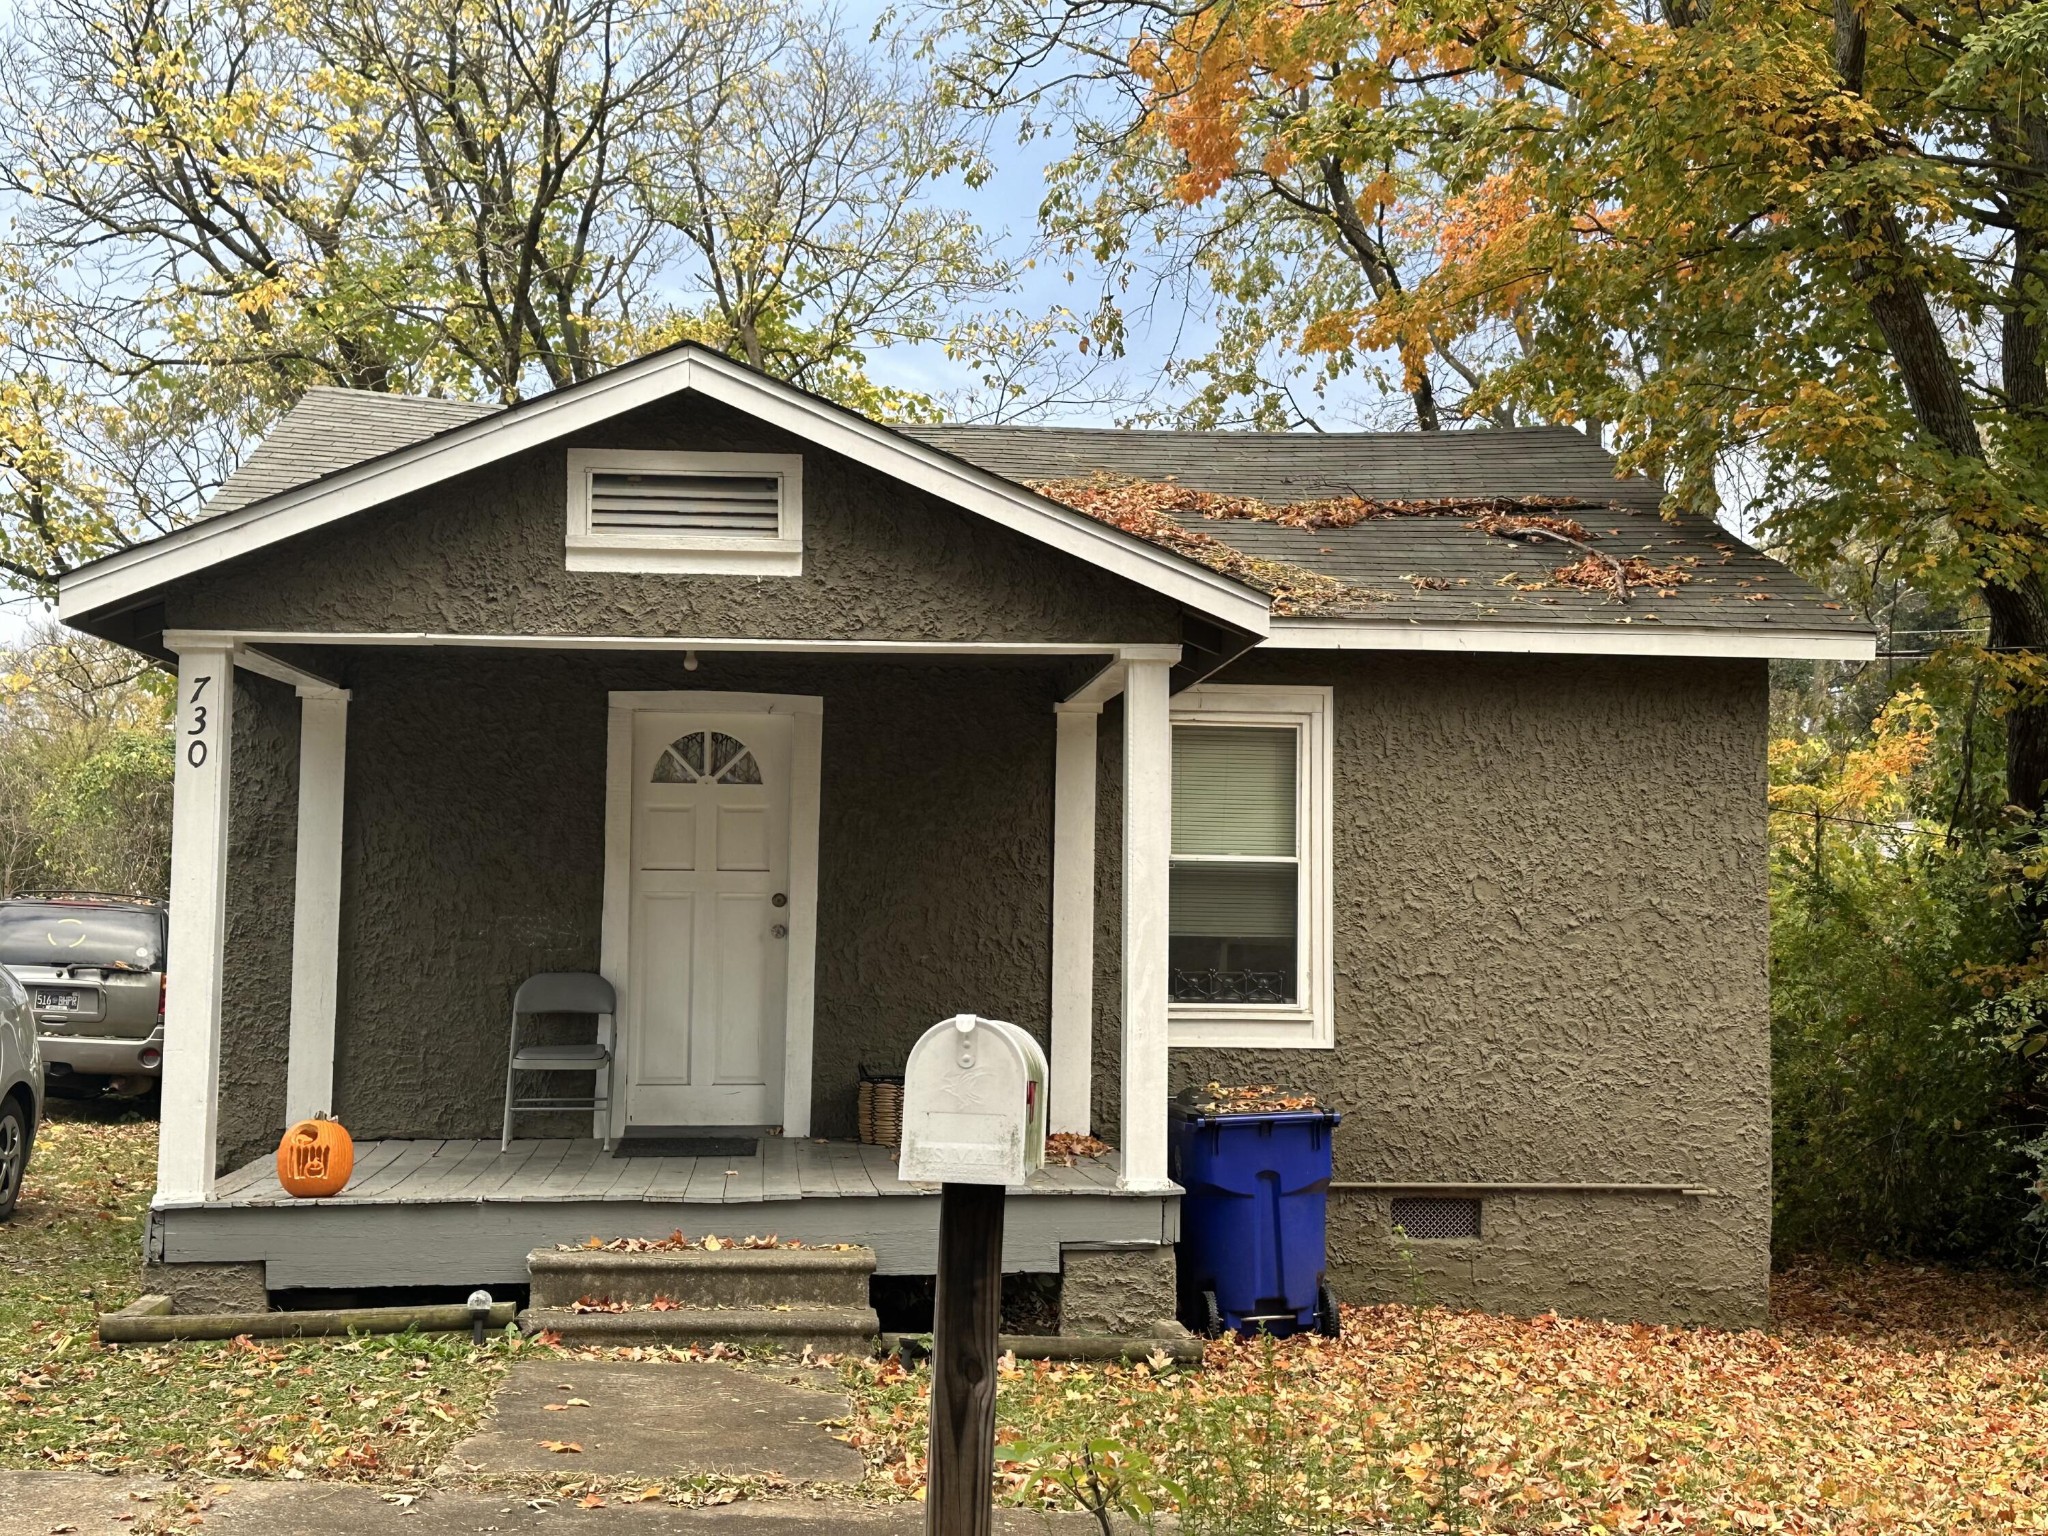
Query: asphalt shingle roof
x=331, y=429
x=1438, y=570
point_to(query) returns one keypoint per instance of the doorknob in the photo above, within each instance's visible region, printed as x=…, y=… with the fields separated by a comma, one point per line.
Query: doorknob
x=780, y=931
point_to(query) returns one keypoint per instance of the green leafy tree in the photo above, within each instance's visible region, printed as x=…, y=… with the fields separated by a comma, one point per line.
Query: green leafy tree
x=1808, y=242
x=85, y=767
x=217, y=203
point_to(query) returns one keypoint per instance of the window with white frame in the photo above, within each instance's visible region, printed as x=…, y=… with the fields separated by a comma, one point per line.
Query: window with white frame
x=737, y=514
x=1248, y=918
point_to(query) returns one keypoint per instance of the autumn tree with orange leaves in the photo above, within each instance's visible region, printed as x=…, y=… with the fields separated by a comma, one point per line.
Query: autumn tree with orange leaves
x=1810, y=241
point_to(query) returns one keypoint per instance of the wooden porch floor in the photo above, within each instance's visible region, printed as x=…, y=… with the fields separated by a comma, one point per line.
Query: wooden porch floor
x=781, y=1169
x=460, y=1213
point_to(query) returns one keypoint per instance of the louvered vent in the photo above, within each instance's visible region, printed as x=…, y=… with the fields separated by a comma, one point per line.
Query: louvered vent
x=1434, y=1219
x=740, y=506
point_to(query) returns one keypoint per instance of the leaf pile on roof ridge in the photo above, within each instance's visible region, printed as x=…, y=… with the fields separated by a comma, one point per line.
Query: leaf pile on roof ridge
x=1349, y=511
x=1141, y=508
x=1505, y=525
x=1590, y=573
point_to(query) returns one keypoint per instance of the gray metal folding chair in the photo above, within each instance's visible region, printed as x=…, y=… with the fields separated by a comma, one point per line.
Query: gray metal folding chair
x=562, y=992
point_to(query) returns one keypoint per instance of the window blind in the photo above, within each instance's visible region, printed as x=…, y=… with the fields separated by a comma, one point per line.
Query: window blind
x=1234, y=790
x=1232, y=901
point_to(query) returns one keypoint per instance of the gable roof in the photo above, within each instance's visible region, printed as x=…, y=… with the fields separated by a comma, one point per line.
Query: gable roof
x=1443, y=570
x=1408, y=581
x=443, y=450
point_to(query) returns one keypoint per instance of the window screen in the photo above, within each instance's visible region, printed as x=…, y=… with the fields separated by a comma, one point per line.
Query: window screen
x=1233, y=912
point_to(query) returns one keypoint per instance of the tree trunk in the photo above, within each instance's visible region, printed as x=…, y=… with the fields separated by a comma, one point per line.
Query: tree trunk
x=2019, y=623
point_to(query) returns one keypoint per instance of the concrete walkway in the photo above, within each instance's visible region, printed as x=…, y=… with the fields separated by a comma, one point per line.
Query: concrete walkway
x=778, y=1423
x=662, y=1420
x=43, y=1503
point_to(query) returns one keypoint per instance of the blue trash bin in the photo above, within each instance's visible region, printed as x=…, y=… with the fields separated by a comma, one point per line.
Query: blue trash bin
x=1252, y=1220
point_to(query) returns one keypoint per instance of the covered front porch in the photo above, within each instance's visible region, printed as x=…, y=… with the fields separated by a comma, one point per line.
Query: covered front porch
x=433, y=869
x=460, y=1212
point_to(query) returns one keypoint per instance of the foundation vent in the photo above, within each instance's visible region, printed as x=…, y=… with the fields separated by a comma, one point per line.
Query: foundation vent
x=1434, y=1219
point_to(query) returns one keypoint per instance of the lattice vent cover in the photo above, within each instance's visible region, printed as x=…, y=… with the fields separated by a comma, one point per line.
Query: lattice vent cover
x=1432, y=1218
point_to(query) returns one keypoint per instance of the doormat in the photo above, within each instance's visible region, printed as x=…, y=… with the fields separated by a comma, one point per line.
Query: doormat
x=686, y=1146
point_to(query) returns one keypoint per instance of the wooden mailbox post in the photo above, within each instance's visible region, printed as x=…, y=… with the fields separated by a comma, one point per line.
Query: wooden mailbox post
x=973, y=1122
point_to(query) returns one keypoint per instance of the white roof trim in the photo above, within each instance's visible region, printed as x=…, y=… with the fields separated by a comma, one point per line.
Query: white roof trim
x=135, y=572
x=1639, y=639
x=178, y=641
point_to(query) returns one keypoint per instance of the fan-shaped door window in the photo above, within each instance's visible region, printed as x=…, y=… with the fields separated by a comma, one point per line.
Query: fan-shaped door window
x=707, y=757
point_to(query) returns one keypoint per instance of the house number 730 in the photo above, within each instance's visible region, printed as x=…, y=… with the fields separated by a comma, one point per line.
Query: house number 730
x=196, y=738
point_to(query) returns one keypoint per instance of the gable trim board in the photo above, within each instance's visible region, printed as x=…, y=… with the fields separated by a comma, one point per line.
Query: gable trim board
x=134, y=573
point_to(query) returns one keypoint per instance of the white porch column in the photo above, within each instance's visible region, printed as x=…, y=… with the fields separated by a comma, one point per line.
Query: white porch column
x=316, y=902
x=1148, y=841
x=199, y=859
x=1073, y=918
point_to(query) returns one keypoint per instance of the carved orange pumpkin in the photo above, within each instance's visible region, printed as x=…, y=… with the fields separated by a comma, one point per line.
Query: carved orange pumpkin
x=315, y=1158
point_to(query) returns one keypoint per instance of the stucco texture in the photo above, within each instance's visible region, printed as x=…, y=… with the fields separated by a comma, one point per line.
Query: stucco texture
x=473, y=857
x=483, y=554
x=1550, y=958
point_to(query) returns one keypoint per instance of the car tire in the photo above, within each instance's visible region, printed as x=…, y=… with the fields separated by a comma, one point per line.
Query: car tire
x=15, y=1138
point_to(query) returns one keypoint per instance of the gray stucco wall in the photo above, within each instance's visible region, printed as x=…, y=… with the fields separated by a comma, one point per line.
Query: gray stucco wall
x=263, y=797
x=1551, y=956
x=473, y=857
x=483, y=554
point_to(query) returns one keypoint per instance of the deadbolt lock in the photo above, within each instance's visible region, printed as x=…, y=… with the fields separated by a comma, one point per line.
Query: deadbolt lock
x=779, y=900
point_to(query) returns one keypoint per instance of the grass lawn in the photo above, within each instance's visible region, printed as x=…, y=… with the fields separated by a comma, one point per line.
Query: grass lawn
x=385, y=1408
x=1885, y=1399
x=1890, y=1399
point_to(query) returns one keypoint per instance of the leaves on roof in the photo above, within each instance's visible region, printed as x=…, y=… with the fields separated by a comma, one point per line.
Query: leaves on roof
x=1148, y=509
x=1142, y=509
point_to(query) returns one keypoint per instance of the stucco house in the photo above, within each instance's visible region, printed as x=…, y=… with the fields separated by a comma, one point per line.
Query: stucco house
x=806, y=732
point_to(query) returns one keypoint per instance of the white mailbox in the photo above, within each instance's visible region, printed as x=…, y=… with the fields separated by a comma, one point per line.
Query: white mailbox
x=973, y=1104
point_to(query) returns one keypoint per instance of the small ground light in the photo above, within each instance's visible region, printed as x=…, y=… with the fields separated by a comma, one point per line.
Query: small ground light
x=479, y=1314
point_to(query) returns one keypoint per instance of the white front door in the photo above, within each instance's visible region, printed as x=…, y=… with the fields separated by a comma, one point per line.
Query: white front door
x=710, y=912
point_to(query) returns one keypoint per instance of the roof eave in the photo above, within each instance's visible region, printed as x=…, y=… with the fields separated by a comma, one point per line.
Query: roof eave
x=1648, y=638
x=134, y=573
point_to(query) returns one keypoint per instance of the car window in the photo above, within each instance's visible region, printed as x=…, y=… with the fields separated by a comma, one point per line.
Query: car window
x=59, y=933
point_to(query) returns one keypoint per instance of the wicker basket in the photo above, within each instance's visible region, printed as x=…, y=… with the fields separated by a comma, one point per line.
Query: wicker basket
x=879, y=1109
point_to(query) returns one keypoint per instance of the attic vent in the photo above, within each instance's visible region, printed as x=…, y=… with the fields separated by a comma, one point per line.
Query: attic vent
x=1431, y=1218
x=674, y=503
x=705, y=514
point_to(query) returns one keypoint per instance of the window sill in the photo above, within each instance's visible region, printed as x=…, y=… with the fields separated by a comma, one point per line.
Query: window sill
x=1247, y=1028
x=679, y=557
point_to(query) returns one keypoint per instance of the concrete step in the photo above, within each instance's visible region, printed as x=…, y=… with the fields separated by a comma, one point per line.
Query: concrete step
x=690, y=1277
x=824, y=1330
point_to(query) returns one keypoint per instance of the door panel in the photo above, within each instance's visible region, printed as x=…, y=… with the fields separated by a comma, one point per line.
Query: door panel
x=743, y=838
x=670, y=833
x=708, y=967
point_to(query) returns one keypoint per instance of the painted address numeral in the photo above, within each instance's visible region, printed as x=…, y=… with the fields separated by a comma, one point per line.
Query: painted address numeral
x=196, y=747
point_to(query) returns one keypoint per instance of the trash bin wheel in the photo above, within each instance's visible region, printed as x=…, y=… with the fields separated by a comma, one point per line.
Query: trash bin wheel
x=1329, y=1321
x=1212, y=1316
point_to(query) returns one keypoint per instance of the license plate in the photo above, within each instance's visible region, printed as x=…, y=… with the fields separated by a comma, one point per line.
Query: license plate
x=57, y=1002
